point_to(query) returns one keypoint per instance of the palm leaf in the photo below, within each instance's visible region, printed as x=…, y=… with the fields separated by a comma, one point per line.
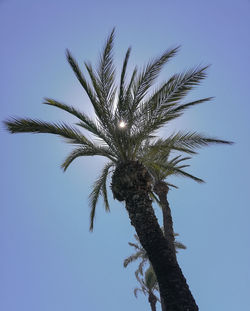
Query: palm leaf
x=132, y=258
x=192, y=140
x=97, y=190
x=149, y=74
x=36, y=126
x=106, y=71
x=121, y=107
x=75, y=67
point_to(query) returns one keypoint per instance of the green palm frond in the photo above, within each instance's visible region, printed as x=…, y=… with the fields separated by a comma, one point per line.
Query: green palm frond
x=37, y=126
x=89, y=91
x=178, y=171
x=164, y=106
x=177, y=88
x=106, y=74
x=129, y=96
x=192, y=140
x=122, y=104
x=181, y=108
x=148, y=75
x=99, y=188
x=186, y=142
x=87, y=151
x=86, y=122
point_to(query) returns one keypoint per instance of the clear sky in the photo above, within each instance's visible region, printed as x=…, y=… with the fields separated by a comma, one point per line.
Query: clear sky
x=49, y=260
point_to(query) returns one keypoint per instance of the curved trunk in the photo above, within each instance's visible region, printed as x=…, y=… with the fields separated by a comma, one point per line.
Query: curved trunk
x=161, y=189
x=152, y=300
x=131, y=183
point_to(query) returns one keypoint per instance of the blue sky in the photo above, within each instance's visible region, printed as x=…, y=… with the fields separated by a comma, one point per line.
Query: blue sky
x=49, y=260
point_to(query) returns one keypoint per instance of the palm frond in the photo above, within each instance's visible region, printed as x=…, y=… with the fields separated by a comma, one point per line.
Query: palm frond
x=149, y=74
x=86, y=122
x=37, y=126
x=132, y=258
x=192, y=140
x=87, y=151
x=178, y=171
x=75, y=67
x=122, y=105
x=97, y=190
x=183, y=107
x=177, y=88
x=106, y=70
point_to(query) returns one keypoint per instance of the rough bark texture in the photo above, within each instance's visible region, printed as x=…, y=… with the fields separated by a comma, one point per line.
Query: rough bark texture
x=131, y=183
x=152, y=300
x=161, y=189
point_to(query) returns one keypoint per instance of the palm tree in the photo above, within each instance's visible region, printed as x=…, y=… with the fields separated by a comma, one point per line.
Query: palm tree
x=125, y=118
x=148, y=285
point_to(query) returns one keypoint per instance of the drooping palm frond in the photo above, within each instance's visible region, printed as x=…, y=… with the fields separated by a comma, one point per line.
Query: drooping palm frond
x=99, y=188
x=72, y=134
x=85, y=121
x=88, y=151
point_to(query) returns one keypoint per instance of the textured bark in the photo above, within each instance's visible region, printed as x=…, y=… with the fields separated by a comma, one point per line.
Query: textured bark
x=152, y=300
x=131, y=183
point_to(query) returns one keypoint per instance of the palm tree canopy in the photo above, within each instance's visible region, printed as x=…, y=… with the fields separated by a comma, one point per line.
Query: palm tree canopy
x=127, y=115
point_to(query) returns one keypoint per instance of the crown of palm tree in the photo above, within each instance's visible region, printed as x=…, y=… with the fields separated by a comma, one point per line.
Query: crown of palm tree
x=127, y=116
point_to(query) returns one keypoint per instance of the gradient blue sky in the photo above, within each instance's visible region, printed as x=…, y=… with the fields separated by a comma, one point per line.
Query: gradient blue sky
x=49, y=261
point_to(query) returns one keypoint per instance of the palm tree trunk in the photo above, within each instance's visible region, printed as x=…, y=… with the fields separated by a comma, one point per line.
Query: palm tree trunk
x=131, y=183
x=152, y=300
x=161, y=189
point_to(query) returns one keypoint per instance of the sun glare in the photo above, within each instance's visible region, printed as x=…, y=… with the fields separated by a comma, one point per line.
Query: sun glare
x=122, y=124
